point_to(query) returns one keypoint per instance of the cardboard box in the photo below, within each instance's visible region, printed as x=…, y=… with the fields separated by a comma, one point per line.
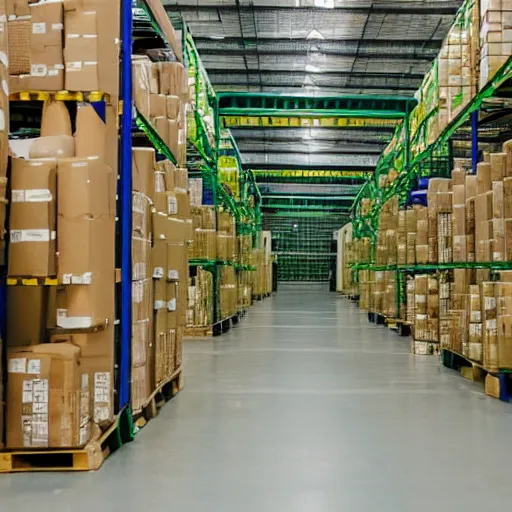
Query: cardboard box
x=91, y=138
x=143, y=165
x=17, y=8
x=81, y=51
x=173, y=106
x=26, y=315
x=48, y=397
x=46, y=51
x=157, y=105
x=492, y=386
x=159, y=259
x=32, y=251
x=498, y=163
x=141, y=258
x=55, y=120
x=141, y=216
x=172, y=305
x=86, y=221
x=141, y=72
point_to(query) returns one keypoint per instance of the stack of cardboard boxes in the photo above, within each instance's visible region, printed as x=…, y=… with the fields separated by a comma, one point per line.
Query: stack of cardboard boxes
x=495, y=37
x=161, y=95
x=200, y=299
x=69, y=45
x=204, y=244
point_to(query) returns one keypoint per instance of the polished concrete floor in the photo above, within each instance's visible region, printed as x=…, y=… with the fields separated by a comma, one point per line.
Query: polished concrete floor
x=304, y=407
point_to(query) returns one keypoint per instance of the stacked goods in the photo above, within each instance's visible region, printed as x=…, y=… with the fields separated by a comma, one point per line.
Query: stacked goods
x=421, y=235
x=426, y=320
x=244, y=249
x=68, y=45
x=226, y=237
x=475, y=325
x=143, y=163
x=161, y=92
x=367, y=290
x=495, y=37
x=386, y=251
x=244, y=291
x=200, y=299
x=227, y=292
x=229, y=174
x=439, y=218
x=411, y=229
x=66, y=199
x=204, y=244
x=411, y=305
x=457, y=71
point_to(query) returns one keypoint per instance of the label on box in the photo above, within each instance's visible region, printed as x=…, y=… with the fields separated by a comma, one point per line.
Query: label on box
x=139, y=270
x=421, y=299
x=491, y=325
x=57, y=27
x=138, y=203
x=28, y=388
x=102, y=387
x=18, y=365
x=476, y=317
x=85, y=278
x=172, y=205
x=173, y=275
x=171, y=305
x=38, y=28
x=489, y=303
x=74, y=66
x=32, y=235
x=39, y=70
x=5, y=87
x=158, y=273
x=137, y=292
x=34, y=366
x=31, y=196
x=160, y=304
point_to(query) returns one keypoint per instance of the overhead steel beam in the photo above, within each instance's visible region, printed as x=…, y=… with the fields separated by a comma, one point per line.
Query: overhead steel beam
x=449, y=7
x=267, y=189
x=357, y=105
x=309, y=160
x=379, y=135
x=254, y=146
x=375, y=48
x=298, y=79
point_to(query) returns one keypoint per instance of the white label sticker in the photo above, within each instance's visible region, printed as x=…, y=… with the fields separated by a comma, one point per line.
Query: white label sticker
x=102, y=387
x=36, y=195
x=84, y=382
x=32, y=235
x=173, y=275
x=5, y=87
x=172, y=205
x=18, y=196
x=57, y=26
x=39, y=70
x=28, y=388
x=137, y=292
x=18, y=365
x=34, y=366
x=4, y=59
x=171, y=305
x=158, y=273
x=38, y=28
x=160, y=304
x=74, y=66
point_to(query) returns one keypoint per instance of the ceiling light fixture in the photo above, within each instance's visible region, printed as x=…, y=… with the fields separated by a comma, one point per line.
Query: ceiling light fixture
x=312, y=69
x=326, y=4
x=314, y=34
x=218, y=37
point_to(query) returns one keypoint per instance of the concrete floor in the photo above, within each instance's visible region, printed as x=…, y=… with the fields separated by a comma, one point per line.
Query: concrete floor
x=304, y=407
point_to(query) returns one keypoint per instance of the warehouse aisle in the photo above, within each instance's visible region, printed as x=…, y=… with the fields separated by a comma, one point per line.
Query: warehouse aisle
x=303, y=407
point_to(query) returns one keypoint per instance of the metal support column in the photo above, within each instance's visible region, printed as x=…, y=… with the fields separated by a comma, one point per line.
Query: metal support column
x=474, y=140
x=126, y=204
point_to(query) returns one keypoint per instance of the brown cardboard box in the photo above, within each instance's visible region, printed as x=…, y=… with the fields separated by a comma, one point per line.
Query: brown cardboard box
x=91, y=134
x=142, y=300
x=167, y=203
x=17, y=8
x=157, y=105
x=177, y=262
x=497, y=199
x=458, y=177
x=19, y=44
x=141, y=258
x=471, y=186
x=141, y=216
x=459, y=194
x=26, y=315
x=141, y=71
x=173, y=105
x=85, y=219
x=507, y=197
x=143, y=165
x=48, y=400
x=81, y=51
x=162, y=127
x=46, y=53
x=159, y=259
x=173, y=79
x=492, y=386
x=32, y=251
x=498, y=166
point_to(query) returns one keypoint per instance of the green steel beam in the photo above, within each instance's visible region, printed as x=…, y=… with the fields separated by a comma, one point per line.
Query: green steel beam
x=350, y=199
x=265, y=104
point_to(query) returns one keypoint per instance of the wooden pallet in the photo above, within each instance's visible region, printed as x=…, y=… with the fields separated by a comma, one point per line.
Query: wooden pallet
x=165, y=392
x=198, y=332
x=89, y=458
x=498, y=384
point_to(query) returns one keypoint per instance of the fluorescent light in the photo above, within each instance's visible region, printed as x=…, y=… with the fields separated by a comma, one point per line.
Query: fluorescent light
x=312, y=69
x=326, y=4
x=314, y=34
x=218, y=37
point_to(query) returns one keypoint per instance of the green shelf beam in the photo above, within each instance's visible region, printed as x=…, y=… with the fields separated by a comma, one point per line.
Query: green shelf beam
x=145, y=126
x=266, y=104
x=494, y=265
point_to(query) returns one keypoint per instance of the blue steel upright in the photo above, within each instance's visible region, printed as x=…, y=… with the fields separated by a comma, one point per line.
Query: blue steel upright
x=474, y=140
x=126, y=203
